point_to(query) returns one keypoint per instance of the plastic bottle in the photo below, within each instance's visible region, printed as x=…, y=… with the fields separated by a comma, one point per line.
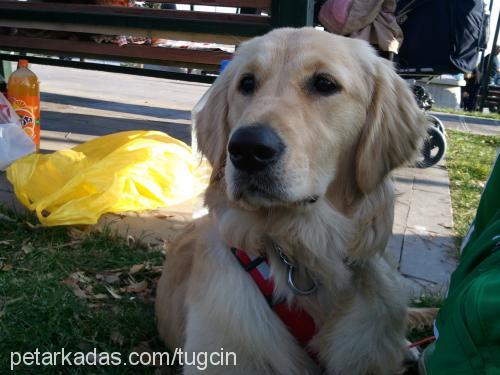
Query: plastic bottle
x=24, y=94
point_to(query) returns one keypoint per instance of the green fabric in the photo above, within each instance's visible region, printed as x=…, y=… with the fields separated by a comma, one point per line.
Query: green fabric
x=468, y=324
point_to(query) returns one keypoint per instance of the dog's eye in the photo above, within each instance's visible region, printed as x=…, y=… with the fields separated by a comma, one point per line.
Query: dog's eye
x=324, y=85
x=247, y=84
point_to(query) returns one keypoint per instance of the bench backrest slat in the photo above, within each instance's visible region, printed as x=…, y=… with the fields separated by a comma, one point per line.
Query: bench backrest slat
x=52, y=9
x=258, y=4
x=132, y=52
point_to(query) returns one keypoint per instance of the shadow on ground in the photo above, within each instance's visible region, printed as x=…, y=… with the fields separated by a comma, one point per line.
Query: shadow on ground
x=107, y=105
x=101, y=125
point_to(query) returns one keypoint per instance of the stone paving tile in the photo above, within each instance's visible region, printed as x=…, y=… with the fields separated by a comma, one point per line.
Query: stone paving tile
x=394, y=248
x=416, y=288
x=435, y=179
x=403, y=184
x=404, y=172
x=428, y=256
x=422, y=232
x=437, y=170
x=431, y=184
x=401, y=209
x=403, y=189
x=431, y=211
x=87, y=123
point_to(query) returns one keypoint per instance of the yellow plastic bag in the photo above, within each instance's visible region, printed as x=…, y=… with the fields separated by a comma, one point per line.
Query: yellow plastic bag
x=127, y=171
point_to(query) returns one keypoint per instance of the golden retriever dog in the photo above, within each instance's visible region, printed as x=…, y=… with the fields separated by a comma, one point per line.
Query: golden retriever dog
x=302, y=129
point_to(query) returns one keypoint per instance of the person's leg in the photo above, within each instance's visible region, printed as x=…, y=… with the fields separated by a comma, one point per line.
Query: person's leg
x=473, y=97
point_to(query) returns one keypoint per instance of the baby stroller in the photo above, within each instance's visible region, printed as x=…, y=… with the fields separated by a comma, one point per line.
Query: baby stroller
x=451, y=46
x=434, y=146
x=425, y=38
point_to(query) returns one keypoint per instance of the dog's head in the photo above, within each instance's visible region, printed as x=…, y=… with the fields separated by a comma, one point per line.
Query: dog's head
x=301, y=115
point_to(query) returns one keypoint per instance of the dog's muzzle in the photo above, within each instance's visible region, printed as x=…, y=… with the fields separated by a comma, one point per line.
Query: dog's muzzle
x=254, y=148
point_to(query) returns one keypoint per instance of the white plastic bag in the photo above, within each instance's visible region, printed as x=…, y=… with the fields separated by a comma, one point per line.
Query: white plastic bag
x=14, y=142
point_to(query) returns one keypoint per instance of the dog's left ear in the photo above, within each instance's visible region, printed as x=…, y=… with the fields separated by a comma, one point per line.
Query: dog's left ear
x=212, y=128
x=393, y=131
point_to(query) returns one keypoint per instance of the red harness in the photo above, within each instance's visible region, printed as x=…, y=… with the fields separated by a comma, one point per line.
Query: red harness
x=297, y=320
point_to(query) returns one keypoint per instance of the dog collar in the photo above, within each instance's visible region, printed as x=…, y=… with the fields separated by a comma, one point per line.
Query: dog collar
x=296, y=319
x=291, y=267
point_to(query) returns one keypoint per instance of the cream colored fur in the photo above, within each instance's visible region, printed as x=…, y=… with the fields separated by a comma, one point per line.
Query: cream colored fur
x=340, y=148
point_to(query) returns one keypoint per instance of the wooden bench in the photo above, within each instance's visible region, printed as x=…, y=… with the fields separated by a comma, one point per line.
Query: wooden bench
x=493, y=99
x=193, y=26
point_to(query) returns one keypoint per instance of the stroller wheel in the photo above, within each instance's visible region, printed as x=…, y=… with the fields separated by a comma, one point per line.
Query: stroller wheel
x=436, y=122
x=433, y=149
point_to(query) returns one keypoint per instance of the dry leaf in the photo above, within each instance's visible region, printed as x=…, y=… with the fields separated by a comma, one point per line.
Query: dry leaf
x=70, y=282
x=136, y=268
x=89, y=289
x=100, y=296
x=80, y=277
x=78, y=292
x=28, y=248
x=157, y=269
x=5, y=267
x=6, y=242
x=112, y=278
x=112, y=292
x=33, y=226
x=130, y=240
x=137, y=287
x=76, y=234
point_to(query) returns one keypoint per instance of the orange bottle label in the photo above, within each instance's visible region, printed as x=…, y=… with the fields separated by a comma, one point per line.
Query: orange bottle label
x=28, y=109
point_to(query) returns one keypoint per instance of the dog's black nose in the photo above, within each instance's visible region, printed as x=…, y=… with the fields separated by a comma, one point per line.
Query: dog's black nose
x=255, y=147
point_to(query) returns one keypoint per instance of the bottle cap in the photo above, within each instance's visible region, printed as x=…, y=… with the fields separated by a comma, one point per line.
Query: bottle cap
x=23, y=63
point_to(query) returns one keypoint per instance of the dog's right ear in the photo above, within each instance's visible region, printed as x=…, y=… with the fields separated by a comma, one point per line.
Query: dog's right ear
x=394, y=128
x=212, y=128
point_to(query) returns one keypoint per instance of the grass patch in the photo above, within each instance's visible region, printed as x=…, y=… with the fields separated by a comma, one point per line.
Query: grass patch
x=470, y=159
x=55, y=293
x=491, y=115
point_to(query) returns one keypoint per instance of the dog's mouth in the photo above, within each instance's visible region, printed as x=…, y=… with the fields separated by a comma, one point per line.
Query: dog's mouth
x=255, y=195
